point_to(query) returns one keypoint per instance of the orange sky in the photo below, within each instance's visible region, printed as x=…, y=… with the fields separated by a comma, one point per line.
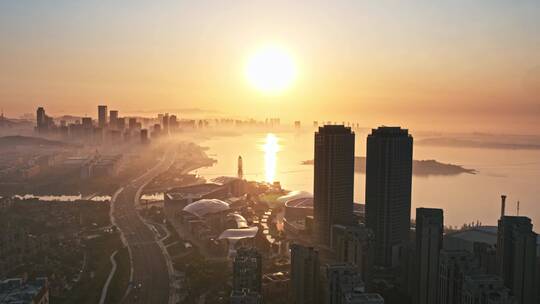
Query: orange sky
x=456, y=66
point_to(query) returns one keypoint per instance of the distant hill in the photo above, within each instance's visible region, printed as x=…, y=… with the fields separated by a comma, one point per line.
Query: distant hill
x=11, y=122
x=471, y=143
x=17, y=140
x=420, y=167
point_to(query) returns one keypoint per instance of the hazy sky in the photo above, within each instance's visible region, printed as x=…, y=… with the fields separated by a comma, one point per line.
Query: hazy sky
x=422, y=64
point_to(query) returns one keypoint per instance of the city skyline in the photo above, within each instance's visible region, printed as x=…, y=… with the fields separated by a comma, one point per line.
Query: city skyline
x=469, y=65
x=255, y=152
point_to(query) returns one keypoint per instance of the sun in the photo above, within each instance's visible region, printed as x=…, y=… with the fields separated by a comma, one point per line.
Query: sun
x=271, y=69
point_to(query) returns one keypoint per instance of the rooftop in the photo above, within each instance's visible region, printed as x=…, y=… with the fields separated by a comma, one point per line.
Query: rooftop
x=204, y=207
x=237, y=234
x=294, y=195
x=482, y=234
x=389, y=131
x=334, y=129
x=194, y=191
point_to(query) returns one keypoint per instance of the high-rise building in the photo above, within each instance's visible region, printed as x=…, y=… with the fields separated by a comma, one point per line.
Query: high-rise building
x=247, y=270
x=485, y=288
x=121, y=123
x=165, y=123
x=516, y=257
x=132, y=123
x=341, y=280
x=388, y=191
x=173, y=123
x=429, y=234
x=87, y=123
x=102, y=116
x=351, y=244
x=113, y=118
x=454, y=265
x=333, y=180
x=305, y=270
x=40, y=119
x=144, y=136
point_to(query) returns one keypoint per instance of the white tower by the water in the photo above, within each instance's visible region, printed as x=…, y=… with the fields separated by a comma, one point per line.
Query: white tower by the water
x=240, y=168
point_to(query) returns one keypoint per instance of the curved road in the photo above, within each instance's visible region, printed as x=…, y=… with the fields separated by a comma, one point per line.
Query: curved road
x=150, y=271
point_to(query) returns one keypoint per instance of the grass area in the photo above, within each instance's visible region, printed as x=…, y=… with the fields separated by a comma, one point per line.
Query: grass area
x=88, y=290
x=120, y=280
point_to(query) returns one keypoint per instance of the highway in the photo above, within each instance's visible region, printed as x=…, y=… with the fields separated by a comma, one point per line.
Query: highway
x=150, y=269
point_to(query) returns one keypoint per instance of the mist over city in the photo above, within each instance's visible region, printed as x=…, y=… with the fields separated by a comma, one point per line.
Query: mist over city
x=253, y=152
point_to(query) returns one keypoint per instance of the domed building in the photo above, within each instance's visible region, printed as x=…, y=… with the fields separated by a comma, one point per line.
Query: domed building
x=204, y=207
x=206, y=217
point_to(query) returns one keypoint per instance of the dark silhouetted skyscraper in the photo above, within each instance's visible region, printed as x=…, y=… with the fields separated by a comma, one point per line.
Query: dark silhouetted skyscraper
x=388, y=191
x=102, y=116
x=334, y=180
x=516, y=257
x=429, y=234
x=41, y=119
x=113, y=118
x=304, y=288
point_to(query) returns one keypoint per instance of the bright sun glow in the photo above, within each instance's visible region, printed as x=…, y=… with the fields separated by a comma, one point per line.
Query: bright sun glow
x=271, y=70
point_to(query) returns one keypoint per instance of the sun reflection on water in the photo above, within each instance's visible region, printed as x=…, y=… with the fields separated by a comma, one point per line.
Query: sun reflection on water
x=271, y=148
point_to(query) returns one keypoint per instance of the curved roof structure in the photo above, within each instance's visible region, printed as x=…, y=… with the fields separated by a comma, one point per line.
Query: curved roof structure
x=237, y=234
x=203, y=207
x=294, y=195
x=305, y=202
x=241, y=222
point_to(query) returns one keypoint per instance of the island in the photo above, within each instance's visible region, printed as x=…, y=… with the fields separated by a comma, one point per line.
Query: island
x=420, y=167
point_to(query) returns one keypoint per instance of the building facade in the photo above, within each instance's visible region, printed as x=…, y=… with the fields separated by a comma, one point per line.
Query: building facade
x=304, y=275
x=516, y=257
x=388, y=191
x=102, y=116
x=454, y=265
x=353, y=244
x=341, y=280
x=247, y=270
x=429, y=234
x=333, y=180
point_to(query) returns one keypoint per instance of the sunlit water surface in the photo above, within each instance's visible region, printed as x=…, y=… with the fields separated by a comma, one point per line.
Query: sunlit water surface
x=464, y=198
x=63, y=198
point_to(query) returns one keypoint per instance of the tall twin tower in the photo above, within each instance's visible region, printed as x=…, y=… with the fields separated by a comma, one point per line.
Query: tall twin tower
x=388, y=186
